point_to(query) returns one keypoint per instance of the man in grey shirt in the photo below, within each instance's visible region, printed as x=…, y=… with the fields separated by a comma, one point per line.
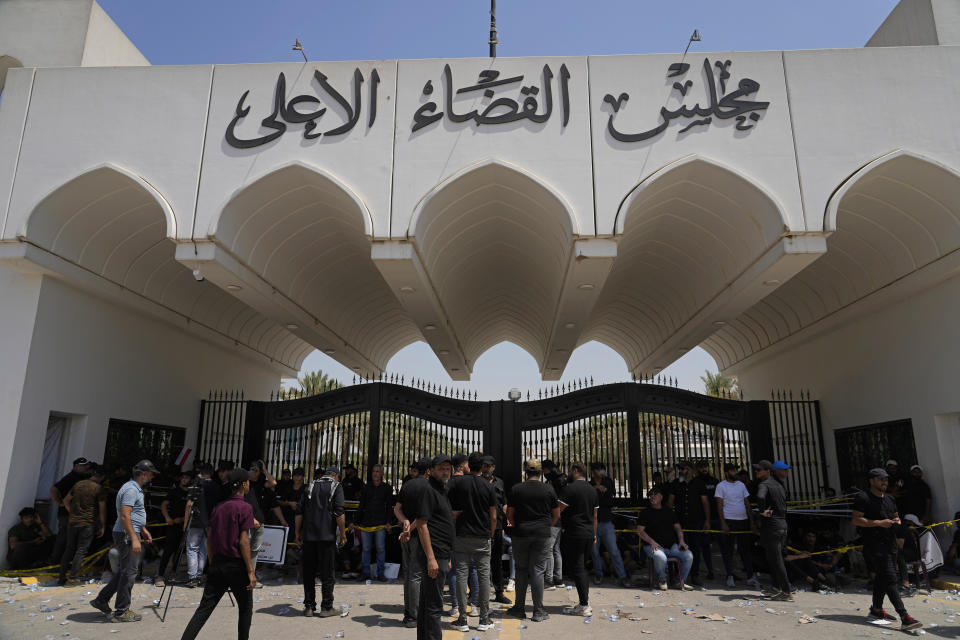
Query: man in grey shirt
x=130, y=526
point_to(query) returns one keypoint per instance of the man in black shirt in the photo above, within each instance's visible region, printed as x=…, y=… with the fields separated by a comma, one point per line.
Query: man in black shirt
x=772, y=505
x=496, y=544
x=352, y=485
x=876, y=515
x=578, y=509
x=474, y=505
x=406, y=511
x=554, y=575
x=263, y=500
x=81, y=470
x=27, y=541
x=659, y=528
x=532, y=509
x=435, y=530
x=702, y=488
x=376, y=499
x=289, y=496
x=918, y=497
x=197, y=514
x=606, y=533
x=319, y=517
x=173, y=509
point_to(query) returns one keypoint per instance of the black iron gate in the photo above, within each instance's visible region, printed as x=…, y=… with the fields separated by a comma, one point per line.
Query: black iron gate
x=637, y=429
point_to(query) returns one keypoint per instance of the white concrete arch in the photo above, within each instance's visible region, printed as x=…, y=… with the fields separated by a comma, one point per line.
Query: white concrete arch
x=494, y=243
x=894, y=223
x=697, y=240
x=114, y=226
x=294, y=243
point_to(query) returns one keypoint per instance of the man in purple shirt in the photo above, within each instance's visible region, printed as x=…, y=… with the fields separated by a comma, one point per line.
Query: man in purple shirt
x=228, y=548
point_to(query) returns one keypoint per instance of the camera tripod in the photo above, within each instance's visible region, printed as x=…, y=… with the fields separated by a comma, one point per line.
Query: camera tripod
x=176, y=564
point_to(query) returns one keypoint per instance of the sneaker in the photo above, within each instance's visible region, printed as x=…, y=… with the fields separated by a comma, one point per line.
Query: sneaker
x=783, y=596
x=516, y=611
x=460, y=624
x=580, y=610
x=259, y=585
x=908, y=623
x=551, y=587
x=558, y=583
x=409, y=623
x=753, y=582
x=328, y=613
x=539, y=616
x=663, y=585
x=769, y=592
x=686, y=586
x=159, y=581
x=880, y=614
x=473, y=610
x=908, y=591
x=101, y=606
x=485, y=624
x=502, y=599
x=512, y=585
x=127, y=616
x=192, y=583
x=625, y=583
x=731, y=582
x=309, y=612
x=597, y=580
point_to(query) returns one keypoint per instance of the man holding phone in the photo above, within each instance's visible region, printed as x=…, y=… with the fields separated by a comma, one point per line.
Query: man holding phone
x=320, y=515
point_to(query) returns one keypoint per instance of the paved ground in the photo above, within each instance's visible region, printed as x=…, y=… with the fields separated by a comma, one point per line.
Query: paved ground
x=63, y=612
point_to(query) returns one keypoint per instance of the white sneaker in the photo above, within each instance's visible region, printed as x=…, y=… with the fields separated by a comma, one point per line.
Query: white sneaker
x=731, y=582
x=579, y=610
x=550, y=588
x=663, y=586
x=511, y=586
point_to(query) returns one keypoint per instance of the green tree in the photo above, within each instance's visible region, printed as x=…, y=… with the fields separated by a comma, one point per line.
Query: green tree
x=717, y=385
x=316, y=382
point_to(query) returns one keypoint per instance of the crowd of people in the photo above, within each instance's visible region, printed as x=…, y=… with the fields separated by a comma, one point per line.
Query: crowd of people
x=458, y=526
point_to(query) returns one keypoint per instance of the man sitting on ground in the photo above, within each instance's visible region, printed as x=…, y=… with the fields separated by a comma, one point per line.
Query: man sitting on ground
x=659, y=528
x=28, y=541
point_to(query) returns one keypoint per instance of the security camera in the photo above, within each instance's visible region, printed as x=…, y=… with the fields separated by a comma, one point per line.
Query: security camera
x=197, y=275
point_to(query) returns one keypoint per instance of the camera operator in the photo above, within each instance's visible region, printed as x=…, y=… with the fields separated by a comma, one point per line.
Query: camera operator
x=202, y=495
x=320, y=515
x=231, y=566
x=173, y=509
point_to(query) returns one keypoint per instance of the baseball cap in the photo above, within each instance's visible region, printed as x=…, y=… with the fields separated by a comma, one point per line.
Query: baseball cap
x=729, y=467
x=597, y=464
x=333, y=471
x=458, y=459
x=533, y=464
x=916, y=466
x=763, y=465
x=489, y=460
x=349, y=465
x=238, y=475
x=549, y=464
x=893, y=462
x=910, y=517
x=423, y=464
x=144, y=465
x=780, y=464
x=439, y=459
x=81, y=460
x=684, y=464
x=878, y=473
x=299, y=471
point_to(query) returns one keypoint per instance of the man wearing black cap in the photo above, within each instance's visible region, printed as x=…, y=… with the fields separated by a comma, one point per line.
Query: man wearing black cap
x=81, y=469
x=554, y=575
x=173, y=510
x=435, y=529
x=876, y=514
x=496, y=543
x=197, y=513
x=130, y=526
x=406, y=510
x=319, y=517
x=352, y=484
x=772, y=506
x=532, y=508
x=231, y=566
x=606, y=533
x=686, y=500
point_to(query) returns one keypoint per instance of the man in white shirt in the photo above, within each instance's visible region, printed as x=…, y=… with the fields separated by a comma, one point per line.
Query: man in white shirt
x=733, y=505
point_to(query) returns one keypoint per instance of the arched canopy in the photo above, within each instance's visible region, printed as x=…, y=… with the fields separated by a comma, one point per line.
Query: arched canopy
x=688, y=232
x=306, y=234
x=112, y=223
x=495, y=241
x=896, y=215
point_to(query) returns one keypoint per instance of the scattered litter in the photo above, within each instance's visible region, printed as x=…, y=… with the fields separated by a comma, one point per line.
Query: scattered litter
x=769, y=610
x=637, y=618
x=806, y=620
x=671, y=619
x=880, y=623
x=587, y=620
x=716, y=617
x=645, y=631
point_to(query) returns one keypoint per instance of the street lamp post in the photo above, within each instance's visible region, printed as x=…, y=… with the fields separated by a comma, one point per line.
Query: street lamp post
x=493, y=29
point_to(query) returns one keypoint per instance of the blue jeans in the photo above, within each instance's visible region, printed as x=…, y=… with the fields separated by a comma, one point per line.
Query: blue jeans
x=660, y=556
x=196, y=548
x=607, y=536
x=369, y=538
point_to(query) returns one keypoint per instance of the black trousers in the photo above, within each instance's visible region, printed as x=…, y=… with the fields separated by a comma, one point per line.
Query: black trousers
x=222, y=574
x=318, y=557
x=430, y=620
x=886, y=583
x=171, y=544
x=78, y=542
x=575, y=553
x=63, y=533
x=743, y=543
x=496, y=562
x=773, y=539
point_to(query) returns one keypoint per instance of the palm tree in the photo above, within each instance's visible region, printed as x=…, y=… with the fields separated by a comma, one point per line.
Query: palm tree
x=316, y=382
x=717, y=385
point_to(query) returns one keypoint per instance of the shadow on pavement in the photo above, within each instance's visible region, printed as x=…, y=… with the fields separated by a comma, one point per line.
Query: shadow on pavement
x=282, y=610
x=396, y=609
x=377, y=621
x=94, y=617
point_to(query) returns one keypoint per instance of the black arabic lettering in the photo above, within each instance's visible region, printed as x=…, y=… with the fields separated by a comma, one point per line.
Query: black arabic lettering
x=500, y=110
x=728, y=105
x=289, y=112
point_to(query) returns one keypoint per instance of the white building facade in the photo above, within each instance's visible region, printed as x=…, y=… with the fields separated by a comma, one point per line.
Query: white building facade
x=167, y=230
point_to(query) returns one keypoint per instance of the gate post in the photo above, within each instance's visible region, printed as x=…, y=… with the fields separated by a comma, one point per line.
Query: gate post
x=373, y=444
x=761, y=433
x=510, y=443
x=254, y=432
x=635, y=446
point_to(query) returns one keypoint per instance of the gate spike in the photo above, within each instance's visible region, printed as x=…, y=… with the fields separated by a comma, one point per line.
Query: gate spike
x=528, y=395
x=474, y=395
x=591, y=381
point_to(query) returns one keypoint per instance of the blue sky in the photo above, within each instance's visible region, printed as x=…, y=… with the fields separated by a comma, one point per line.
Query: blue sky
x=177, y=32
